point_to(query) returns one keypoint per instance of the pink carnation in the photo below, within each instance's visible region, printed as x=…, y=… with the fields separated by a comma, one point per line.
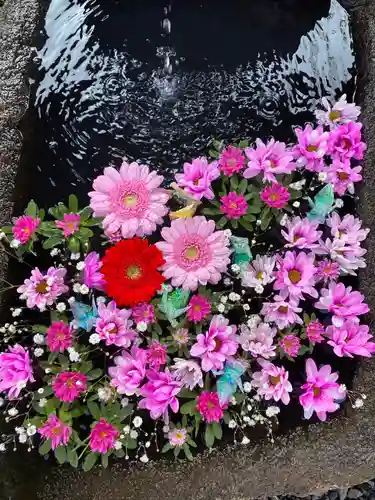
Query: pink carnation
x=160, y=393
x=275, y=196
x=143, y=313
x=199, y=308
x=129, y=371
x=69, y=385
x=56, y=430
x=342, y=176
x=282, y=312
x=130, y=200
x=272, y=382
x=231, y=161
x=270, y=159
x=69, y=224
x=315, y=331
x=197, y=178
x=15, y=370
x=103, y=437
x=291, y=345
x=345, y=141
x=59, y=336
x=311, y=147
x=114, y=325
x=351, y=338
x=24, y=228
x=209, y=407
x=156, y=355
x=41, y=290
x=295, y=275
x=233, y=205
x=92, y=277
x=301, y=233
x=217, y=345
x=320, y=391
x=342, y=303
x=194, y=252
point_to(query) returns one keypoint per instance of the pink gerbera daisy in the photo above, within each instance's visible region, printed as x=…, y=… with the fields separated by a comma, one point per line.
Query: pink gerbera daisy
x=345, y=141
x=41, y=290
x=311, y=147
x=194, y=252
x=130, y=200
x=59, y=336
x=342, y=176
x=231, y=161
x=327, y=270
x=24, y=228
x=56, y=430
x=69, y=224
x=209, y=407
x=301, y=233
x=199, y=308
x=69, y=385
x=275, y=196
x=233, y=205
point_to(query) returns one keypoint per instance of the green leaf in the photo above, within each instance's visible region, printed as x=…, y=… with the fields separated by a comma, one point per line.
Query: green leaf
x=120, y=453
x=211, y=211
x=187, y=452
x=189, y=408
x=125, y=412
x=214, y=154
x=217, y=145
x=166, y=448
x=85, y=214
x=73, y=203
x=52, y=242
x=217, y=430
x=209, y=436
x=265, y=219
x=32, y=209
x=105, y=460
x=90, y=461
x=243, y=144
x=45, y=447
x=295, y=195
x=72, y=457
x=303, y=350
x=39, y=328
x=254, y=209
x=242, y=186
x=234, y=182
x=6, y=230
x=94, y=409
x=131, y=444
x=96, y=373
x=187, y=394
x=221, y=222
x=74, y=244
x=86, y=366
x=86, y=233
x=60, y=454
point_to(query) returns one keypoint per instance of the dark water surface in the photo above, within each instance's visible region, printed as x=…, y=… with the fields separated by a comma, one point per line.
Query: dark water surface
x=155, y=81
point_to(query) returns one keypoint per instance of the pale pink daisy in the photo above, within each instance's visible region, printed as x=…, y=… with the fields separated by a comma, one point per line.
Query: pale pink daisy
x=114, y=326
x=291, y=345
x=177, y=437
x=270, y=159
x=41, y=290
x=24, y=228
x=209, y=407
x=199, y=308
x=351, y=338
x=69, y=224
x=188, y=372
x=198, y=177
x=91, y=275
x=342, y=176
x=181, y=336
x=349, y=228
x=259, y=272
x=275, y=196
x=315, y=331
x=321, y=391
x=194, y=252
x=295, y=275
x=233, y=205
x=258, y=341
x=56, y=430
x=130, y=200
x=301, y=233
x=15, y=370
x=311, y=147
x=341, y=112
x=231, y=161
x=282, y=312
x=345, y=141
x=272, y=382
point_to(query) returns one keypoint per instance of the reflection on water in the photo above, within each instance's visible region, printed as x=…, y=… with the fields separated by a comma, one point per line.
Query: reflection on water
x=156, y=82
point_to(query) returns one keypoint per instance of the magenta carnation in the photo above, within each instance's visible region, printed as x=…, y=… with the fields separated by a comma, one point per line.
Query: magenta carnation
x=197, y=178
x=199, y=308
x=129, y=371
x=143, y=313
x=156, y=355
x=130, y=200
x=311, y=147
x=231, y=161
x=295, y=275
x=291, y=345
x=91, y=275
x=194, y=252
x=351, y=338
x=275, y=196
x=345, y=141
x=69, y=224
x=114, y=325
x=209, y=407
x=41, y=290
x=24, y=228
x=15, y=370
x=272, y=382
x=103, y=437
x=160, y=393
x=59, y=336
x=315, y=331
x=217, y=345
x=270, y=159
x=56, y=430
x=69, y=385
x=233, y=205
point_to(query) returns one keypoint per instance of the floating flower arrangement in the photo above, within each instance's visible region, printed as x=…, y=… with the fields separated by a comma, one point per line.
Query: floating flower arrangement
x=182, y=322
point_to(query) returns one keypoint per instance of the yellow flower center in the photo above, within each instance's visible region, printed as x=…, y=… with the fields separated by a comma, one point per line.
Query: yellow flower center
x=134, y=272
x=334, y=115
x=312, y=148
x=275, y=196
x=191, y=253
x=316, y=392
x=275, y=380
x=130, y=200
x=42, y=287
x=294, y=276
x=283, y=309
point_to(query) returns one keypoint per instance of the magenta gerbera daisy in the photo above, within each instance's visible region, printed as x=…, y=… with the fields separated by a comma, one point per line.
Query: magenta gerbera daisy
x=130, y=200
x=194, y=252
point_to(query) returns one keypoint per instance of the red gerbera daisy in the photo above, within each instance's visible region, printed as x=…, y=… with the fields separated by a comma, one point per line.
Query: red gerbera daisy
x=130, y=270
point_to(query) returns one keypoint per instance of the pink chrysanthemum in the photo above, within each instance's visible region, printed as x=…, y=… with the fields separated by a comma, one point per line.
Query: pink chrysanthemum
x=311, y=148
x=41, y=290
x=291, y=345
x=91, y=276
x=69, y=224
x=156, y=355
x=129, y=371
x=56, y=430
x=348, y=229
x=342, y=176
x=209, y=407
x=24, y=228
x=59, y=336
x=327, y=270
x=301, y=233
x=282, y=312
x=231, y=161
x=114, y=325
x=259, y=272
x=345, y=141
x=315, y=331
x=320, y=391
x=348, y=257
x=233, y=205
x=15, y=370
x=130, y=200
x=351, y=338
x=194, y=252
x=103, y=437
x=160, y=393
x=143, y=313
x=295, y=275
x=341, y=112
x=259, y=340
x=342, y=303
x=69, y=385
x=271, y=159
x=199, y=308
x=188, y=372
x=275, y=196
x=217, y=345
x=177, y=437
x=272, y=382
x=198, y=177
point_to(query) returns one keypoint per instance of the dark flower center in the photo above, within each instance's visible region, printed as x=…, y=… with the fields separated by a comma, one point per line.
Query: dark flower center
x=294, y=276
x=312, y=148
x=42, y=287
